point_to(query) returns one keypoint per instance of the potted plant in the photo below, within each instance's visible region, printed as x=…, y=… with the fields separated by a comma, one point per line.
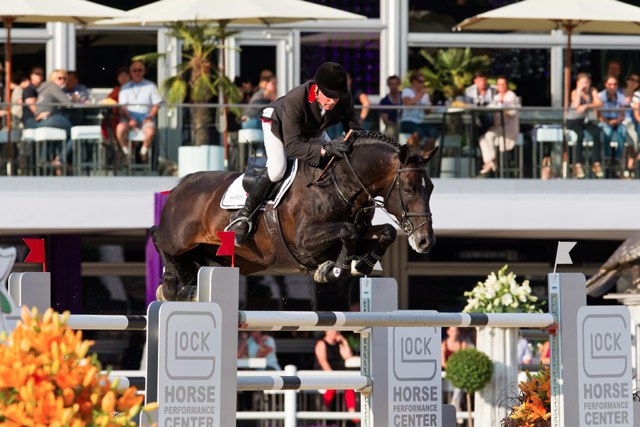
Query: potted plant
x=469, y=369
x=532, y=406
x=499, y=293
x=48, y=378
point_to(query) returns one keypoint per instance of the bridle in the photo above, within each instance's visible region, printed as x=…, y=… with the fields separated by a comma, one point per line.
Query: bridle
x=405, y=223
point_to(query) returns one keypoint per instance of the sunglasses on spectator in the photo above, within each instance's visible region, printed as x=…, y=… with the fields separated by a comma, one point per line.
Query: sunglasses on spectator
x=633, y=79
x=421, y=80
x=61, y=78
x=38, y=73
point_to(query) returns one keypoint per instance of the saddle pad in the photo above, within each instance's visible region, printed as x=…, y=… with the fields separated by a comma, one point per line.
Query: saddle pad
x=235, y=195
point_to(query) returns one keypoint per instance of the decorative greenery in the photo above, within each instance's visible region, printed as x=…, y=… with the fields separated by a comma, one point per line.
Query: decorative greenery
x=533, y=407
x=470, y=370
x=47, y=378
x=198, y=76
x=501, y=294
x=450, y=71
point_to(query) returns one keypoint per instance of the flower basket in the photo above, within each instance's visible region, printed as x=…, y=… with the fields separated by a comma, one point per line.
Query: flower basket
x=499, y=293
x=48, y=379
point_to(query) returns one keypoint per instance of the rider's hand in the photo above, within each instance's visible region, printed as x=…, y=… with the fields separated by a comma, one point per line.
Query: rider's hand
x=337, y=147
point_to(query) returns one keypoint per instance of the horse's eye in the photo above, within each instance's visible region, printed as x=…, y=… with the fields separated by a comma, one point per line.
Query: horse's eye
x=407, y=190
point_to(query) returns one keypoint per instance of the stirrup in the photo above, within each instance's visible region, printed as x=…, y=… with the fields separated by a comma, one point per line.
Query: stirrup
x=240, y=219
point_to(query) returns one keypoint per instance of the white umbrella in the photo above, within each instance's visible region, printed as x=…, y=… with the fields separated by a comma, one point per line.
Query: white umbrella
x=42, y=11
x=259, y=12
x=572, y=16
x=224, y=12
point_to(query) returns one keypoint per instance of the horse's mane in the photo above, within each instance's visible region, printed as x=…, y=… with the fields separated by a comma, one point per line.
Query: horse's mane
x=372, y=137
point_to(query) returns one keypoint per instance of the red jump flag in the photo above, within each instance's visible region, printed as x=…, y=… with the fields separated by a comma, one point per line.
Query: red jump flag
x=227, y=247
x=36, y=252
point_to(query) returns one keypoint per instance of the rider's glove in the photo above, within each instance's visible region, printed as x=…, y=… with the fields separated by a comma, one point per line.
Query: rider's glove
x=337, y=147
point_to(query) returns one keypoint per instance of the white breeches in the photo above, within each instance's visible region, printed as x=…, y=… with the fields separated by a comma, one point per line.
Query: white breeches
x=488, y=143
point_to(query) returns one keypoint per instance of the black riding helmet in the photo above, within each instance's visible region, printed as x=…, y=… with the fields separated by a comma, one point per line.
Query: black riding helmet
x=331, y=78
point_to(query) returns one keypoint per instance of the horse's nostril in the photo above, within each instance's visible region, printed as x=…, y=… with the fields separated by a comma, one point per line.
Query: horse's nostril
x=426, y=243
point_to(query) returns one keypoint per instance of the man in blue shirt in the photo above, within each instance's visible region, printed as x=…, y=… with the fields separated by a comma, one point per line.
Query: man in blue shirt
x=611, y=123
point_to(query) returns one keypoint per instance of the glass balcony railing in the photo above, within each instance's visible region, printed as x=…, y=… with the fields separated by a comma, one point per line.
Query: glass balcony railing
x=521, y=143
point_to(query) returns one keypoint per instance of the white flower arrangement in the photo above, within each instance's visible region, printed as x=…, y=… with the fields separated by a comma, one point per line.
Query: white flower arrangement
x=501, y=294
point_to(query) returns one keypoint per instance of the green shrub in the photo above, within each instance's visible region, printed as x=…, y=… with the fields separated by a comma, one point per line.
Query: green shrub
x=469, y=369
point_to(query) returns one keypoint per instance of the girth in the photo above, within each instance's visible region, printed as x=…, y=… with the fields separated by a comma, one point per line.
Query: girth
x=282, y=253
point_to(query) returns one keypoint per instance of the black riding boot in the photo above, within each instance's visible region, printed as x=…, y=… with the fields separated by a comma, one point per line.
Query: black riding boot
x=242, y=221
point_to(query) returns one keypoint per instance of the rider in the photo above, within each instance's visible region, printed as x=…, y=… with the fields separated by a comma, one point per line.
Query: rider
x=294, y=125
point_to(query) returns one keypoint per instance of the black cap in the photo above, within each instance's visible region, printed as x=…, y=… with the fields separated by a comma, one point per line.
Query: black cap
x=331, y=78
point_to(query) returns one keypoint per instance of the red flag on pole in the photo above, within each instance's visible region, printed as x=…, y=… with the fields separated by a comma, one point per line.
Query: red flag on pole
x=227, y=247
x=36, y=252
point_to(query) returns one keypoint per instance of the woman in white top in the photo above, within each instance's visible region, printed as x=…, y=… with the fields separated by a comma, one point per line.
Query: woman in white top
x=413, y=118
x=504, y=98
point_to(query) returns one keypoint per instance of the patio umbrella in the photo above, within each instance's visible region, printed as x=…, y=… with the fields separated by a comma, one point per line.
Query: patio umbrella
x=42, y=11
x=224, y=12
x=572, y=16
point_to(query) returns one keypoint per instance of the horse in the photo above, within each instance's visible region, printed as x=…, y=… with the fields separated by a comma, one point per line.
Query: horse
x=323, y=224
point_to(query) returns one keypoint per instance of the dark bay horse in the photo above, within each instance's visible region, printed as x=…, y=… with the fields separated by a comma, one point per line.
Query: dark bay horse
x=321, y=225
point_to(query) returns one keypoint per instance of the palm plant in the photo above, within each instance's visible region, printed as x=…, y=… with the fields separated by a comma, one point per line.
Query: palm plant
x=450, y=71
x=198, y=77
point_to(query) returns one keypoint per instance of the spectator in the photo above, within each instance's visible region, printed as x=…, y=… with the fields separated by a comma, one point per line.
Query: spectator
x=75, y=91
x=635, y=105
x=480, y=94
x=143, y=98
x=450, y=345
x=545, y=353
x=390, y=117
x=18, y=85
x=30, y=97
x=266, y=94
x=362, y=100
x=506, y=121
x=613, y=70
x=47, y=114
x=612, y=122
x=259, y=344
x=112, y=119
x=633, y=84
x=584, y=99
x=331, y=353
x=524, y=352
x=413, y=119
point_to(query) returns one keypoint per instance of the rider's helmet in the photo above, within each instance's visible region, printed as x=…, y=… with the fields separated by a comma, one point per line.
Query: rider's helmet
x=331, y=78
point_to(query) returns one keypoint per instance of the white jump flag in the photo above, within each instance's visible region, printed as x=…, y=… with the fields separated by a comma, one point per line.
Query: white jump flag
x=562, y=255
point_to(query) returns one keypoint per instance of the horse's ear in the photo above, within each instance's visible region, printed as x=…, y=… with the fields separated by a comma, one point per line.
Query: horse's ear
x=405, y=153
x=429, y=153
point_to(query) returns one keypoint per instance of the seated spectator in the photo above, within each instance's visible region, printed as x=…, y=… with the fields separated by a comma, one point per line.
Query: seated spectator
x=112, y=119
x=48, y=115
x=266, y=94
x=18, y=84
x=361, y=102
x=504, y=98
x=480, y=94
x=259, y=344
x=390, y=117
x=413, y=119
x=633, y=84
x=450, y=345
x=74, y=90
x=331, y=353
x=141, y=101
x=612, y=122
x=581, y=117
x=30, y=97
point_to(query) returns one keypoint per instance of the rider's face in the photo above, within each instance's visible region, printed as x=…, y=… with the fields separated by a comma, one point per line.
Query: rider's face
x=325, y=102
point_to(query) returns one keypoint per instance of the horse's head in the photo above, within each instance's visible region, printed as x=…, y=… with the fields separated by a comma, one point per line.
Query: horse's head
x=408, y=198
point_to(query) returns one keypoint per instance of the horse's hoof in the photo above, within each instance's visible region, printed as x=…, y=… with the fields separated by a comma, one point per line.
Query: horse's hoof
x=188, y=293
x=320, y=276
x=164, y=293
x=360, y=268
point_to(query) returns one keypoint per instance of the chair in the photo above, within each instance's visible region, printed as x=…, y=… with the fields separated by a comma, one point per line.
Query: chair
x=26, y=152
x=451, y=162
x=512, y=161
x=246, y=137
x=550, y=135
x=88, y=151
x=49, y=144
x=4, y=139
x=137, y=136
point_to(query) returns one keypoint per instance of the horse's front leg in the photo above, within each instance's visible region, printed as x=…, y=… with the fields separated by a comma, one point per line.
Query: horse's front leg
x=383, y=235
x=321, y=238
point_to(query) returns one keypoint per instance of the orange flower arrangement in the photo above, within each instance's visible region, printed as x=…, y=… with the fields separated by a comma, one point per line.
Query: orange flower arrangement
x=47, y=378
x=534, y=402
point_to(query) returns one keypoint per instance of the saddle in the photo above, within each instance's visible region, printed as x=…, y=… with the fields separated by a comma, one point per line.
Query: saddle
x=236, y=194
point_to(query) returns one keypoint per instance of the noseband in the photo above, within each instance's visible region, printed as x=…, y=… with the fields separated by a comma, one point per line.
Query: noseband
x=405, y=223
